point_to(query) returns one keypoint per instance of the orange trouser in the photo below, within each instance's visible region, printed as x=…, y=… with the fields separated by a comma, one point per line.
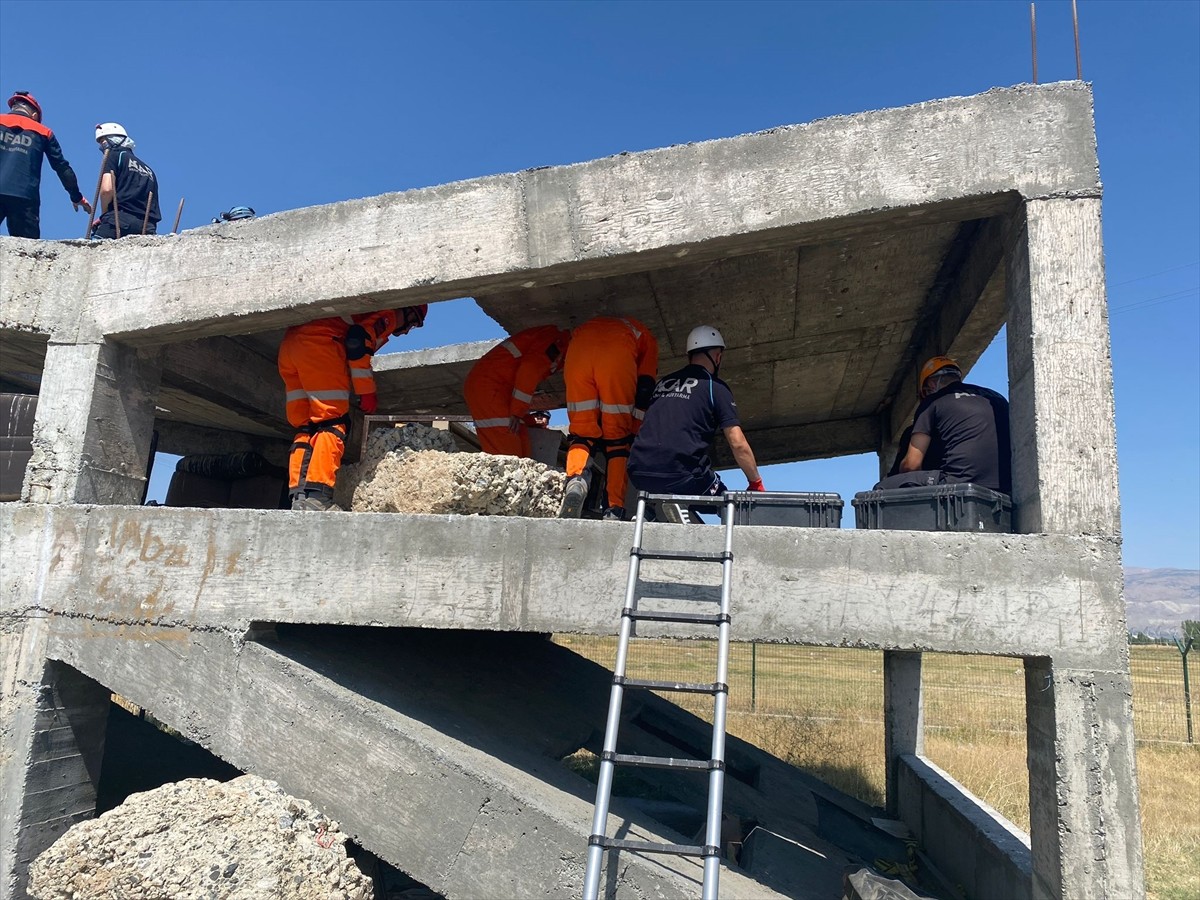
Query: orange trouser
x=317, y=381
x=601, y=385
x=489, y=401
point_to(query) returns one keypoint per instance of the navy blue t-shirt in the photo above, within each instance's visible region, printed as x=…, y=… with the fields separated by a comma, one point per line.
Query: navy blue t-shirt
x=688, y=408
x=969, y=435
x=135, y=182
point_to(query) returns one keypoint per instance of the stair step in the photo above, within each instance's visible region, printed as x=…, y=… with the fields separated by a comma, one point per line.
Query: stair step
x=682, y=687
x=662, y=762
x=689, y=617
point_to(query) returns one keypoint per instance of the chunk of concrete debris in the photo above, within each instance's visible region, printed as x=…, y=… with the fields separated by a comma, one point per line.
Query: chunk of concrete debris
x=242, y=840
x=414, y=469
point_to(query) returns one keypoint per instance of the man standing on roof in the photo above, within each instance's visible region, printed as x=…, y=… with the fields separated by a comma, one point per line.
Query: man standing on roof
x=500, y=386
x=320, y=361
x=24, y=140
x=960, y=434
x=671, y=452
x=610, y=373
x=128, y=187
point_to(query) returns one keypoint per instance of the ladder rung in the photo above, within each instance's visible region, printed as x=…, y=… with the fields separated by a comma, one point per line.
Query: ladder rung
x=692, y=617
x=652, y=847
x=663, y=762
x=680, y=555
x=683, y=687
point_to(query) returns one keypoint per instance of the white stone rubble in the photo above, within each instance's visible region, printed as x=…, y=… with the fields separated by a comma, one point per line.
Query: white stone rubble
x=200, y=839
x=414, y=469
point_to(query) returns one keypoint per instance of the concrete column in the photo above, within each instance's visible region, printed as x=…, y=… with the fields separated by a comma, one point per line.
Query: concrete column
x=53, y=728
x=1060, y=372
x=903, y=719
x=91, y=438
x=1083, y=801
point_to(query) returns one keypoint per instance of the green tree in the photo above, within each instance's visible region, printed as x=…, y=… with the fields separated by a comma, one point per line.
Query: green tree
x=1191, y=629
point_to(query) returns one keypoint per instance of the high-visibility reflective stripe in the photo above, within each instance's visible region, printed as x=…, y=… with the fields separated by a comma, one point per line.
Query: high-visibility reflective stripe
x=616, y=408
x=328, y=395
x=583, y=406
x=296, y=395
x=361, y=374
x=511, y=348
x=522, y=396
x=639, y=414
x=637, y=334
x=491, y=423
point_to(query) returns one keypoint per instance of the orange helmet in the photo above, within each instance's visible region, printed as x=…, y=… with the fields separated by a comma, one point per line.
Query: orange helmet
x=935, y=365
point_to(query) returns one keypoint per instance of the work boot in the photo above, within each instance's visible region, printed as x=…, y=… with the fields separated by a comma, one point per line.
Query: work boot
x=573, y=497
x=614, y=514
x=313, y=501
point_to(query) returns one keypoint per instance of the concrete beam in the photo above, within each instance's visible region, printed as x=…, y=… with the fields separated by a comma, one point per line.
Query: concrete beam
x=1019, y=595
x=1060, y=373
x=964, y=309
x=974, y=846
x=230, y=374
x=622, y=214
x=91, y=437
x=1083, y=795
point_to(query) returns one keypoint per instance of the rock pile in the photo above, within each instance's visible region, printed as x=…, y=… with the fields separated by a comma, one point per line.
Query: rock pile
x=242, y=840
x=414, y=469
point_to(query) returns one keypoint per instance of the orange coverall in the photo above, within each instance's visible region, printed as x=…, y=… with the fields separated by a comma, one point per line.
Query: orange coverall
x=317, y=375
x=606, y=359
x=501, y=385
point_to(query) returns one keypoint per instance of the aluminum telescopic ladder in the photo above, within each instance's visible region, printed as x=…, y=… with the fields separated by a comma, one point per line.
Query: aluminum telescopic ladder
x=631, y=613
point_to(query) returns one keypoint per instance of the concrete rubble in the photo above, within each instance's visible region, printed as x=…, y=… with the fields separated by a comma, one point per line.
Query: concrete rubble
x=416, y=469
x=242, y=840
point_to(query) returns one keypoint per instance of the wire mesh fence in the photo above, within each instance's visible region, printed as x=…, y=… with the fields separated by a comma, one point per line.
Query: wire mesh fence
x=964, y=696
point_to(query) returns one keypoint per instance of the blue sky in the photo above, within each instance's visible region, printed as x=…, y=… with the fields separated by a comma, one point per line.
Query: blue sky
x=284, y=105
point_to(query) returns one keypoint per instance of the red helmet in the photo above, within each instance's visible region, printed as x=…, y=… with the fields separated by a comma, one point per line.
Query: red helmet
x=25, y=97
x=409, y=317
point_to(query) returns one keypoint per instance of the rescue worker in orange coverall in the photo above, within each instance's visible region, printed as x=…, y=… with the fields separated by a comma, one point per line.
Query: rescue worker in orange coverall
x=320, y=361
x=610, y=373
x=500, y=386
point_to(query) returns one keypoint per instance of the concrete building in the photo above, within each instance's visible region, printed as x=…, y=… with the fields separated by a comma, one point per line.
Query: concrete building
x=841, y=254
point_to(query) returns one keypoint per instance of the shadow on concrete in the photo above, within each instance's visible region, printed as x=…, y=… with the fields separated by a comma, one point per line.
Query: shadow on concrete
x=530, y=703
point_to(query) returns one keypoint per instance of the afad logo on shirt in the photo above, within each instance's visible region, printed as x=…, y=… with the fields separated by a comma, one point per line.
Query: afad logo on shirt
x=676, y=387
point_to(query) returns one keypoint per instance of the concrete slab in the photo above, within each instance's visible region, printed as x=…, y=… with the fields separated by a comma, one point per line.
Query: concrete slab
x=833, y=275
x=437, y=752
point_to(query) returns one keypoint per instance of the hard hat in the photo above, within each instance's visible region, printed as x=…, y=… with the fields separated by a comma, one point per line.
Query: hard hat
x=25, y=97
x=110, y=129
x=935, y=365
x=704, y=337
x=411, y=317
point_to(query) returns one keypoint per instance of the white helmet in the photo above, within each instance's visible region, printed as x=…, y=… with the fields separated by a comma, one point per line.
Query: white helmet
x=110, y=129
x=704, y=337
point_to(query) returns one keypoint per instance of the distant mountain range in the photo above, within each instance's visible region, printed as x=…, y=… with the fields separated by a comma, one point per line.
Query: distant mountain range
x=1158, y=600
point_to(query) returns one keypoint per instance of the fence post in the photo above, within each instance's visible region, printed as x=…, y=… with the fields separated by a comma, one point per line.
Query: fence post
x=1184, y=647
x=754, y=682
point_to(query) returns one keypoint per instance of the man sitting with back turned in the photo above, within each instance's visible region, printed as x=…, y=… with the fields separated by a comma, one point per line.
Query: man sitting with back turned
x=670, y=452
x=960, y=434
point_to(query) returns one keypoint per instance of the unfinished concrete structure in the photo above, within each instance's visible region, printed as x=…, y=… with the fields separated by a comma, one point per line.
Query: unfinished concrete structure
x=839, y=254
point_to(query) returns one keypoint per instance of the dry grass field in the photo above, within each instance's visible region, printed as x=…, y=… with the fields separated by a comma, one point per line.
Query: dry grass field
x=821, y=709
